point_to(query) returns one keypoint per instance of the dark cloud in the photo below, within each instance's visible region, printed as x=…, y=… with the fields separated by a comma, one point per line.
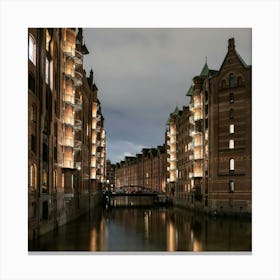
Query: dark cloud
x=142, y=74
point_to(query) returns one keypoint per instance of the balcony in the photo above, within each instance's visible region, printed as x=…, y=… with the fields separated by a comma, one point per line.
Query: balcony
x=78, y=104
x=68, y=99
x=198, y=156
x=78, y=59
x=197, y=104
x=78, y=145
x=197, y=174
x=78, y=165
x=68, y=142
x=68, y=50
x=68, y=120
x=68, y=164
x=78, y=79
x=197, y=117
x=77, y=125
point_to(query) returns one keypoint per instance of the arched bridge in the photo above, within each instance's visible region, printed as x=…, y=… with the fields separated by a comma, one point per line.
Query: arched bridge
x=133, y=196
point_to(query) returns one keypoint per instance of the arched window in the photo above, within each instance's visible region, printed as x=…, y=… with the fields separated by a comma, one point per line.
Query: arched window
x=32, y=49
x=33, y=176
x=231, y=80
x=54, y=179
x=34, y=113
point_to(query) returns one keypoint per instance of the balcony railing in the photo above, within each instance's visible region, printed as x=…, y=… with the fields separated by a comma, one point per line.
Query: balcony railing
x=68, y=98
x=68, y=120
x=78, y=145
x=78, y=59
x=68, y=142
x=197, y=174
x=197, y=117
x=78, y=125
x=78, y=104
x=68, y=164
x=68, y=50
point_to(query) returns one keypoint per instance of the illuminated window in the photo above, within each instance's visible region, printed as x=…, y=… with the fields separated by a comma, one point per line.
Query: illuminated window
x=62, y=180
x=55, y=179
x=33, y=176
x=231, y=144
x=231, y=128
x=231, y=186
x=32, y=49
x=231, y=164
x=44, y=181
x=47, y=71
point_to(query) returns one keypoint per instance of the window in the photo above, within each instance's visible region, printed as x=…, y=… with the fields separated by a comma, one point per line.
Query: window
x=47, y=71
x=33, y=143
x=231, y=114
x=44, y=181
x=231, y=128
x=33, y=113
x=231, y=144
x=231, y=186
x=231, y=98
x=54, y=179
x=33, y=176
x=31, y=83
x=231, y=164
x=32, y=49
x=62, y=180
x=231, y=81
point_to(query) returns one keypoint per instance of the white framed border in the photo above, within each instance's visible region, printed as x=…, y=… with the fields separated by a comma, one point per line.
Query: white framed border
x=261, y=16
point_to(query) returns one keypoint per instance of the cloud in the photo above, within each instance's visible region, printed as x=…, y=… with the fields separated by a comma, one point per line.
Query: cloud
x=142, y=74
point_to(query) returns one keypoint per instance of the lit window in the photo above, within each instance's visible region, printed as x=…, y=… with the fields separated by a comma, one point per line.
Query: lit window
x=231, y=186
x=47, y=71
x=231, y=144
x=231, y=164
x=231, y=128
x=62, y=180
x=33, y=176
x=32, y=49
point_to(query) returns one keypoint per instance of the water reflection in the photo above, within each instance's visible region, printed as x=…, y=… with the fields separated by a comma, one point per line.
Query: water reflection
x=160, y=229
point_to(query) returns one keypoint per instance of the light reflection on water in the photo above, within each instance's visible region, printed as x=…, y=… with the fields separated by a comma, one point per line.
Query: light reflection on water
x=158, y=229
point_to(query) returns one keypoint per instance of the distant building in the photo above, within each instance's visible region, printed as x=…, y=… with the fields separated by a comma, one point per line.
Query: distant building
x=62, y=106
x=110, y=174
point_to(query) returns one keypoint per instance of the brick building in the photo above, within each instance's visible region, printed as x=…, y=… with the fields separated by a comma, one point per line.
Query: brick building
x=60, y=115
x=208, y=144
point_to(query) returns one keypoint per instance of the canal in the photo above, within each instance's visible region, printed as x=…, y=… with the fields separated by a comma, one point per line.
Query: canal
x=148, y=230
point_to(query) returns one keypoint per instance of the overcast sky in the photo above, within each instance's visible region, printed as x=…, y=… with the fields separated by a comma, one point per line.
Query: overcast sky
x=142, y=74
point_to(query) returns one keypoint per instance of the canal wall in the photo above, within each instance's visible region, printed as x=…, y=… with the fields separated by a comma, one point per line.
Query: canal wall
x=224, y=207
x=58, y=210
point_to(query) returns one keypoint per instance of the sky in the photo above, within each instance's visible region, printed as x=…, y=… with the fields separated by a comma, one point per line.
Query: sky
x=143, y=74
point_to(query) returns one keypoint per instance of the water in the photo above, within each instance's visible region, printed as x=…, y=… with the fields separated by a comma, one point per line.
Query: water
x=148, y=230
